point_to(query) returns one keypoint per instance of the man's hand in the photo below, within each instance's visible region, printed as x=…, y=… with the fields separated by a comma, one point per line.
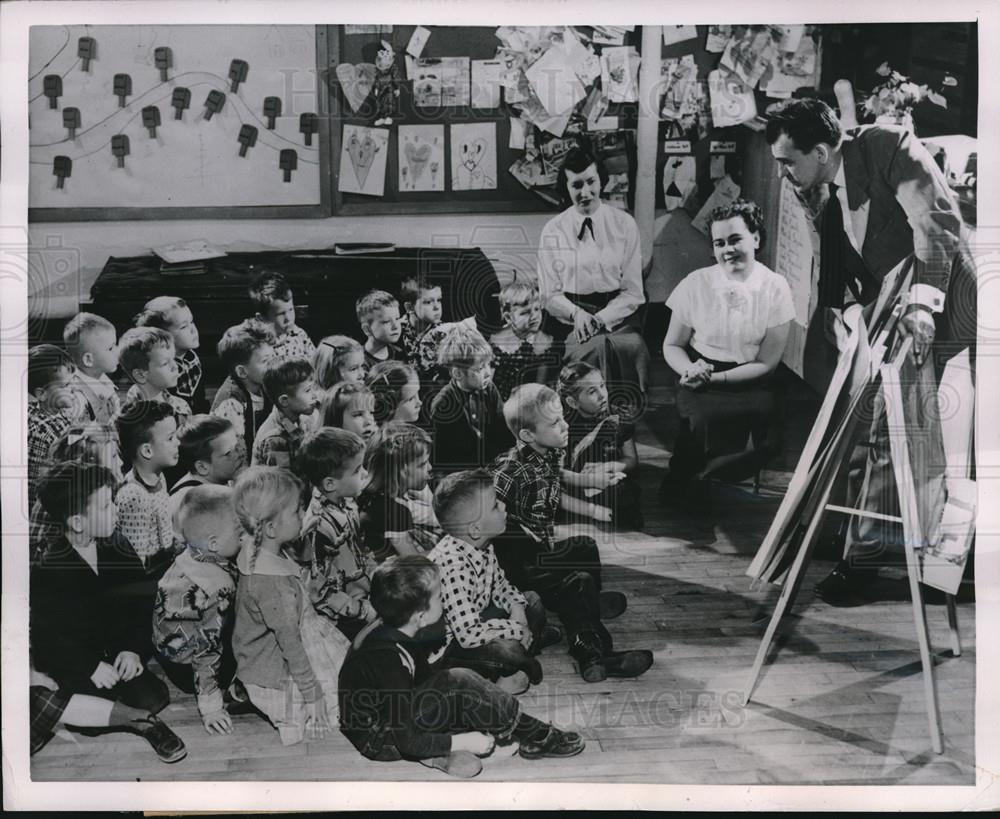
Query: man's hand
x=918, y=324
x=585, y=325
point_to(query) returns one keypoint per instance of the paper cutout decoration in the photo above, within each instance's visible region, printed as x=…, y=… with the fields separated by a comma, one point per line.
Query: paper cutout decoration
x=62, y=168
x=418, y=40
x=791, y=70
x=749, y=56
x=288, y=161
x=609, y=35
x=518, y=129
x=531, y=174
x=678, y=34
x=238, y=70
x=474, y=156
x=718, y=36
x=53, y=88
x=163, y=59
x=421, y=158
x=486, y=83
x=86, y=50
x=554, y=152
x=790, y=38
x=717, y=166
x=555, y=82
x=732, y=102
x=620, y=74
x=442, y=82
x=679, y=181
x=356, y=81
x=180, y=101
x=71, y=121
x=272, y=110
x=247, y=138
x=363, y=157
x=726, y=192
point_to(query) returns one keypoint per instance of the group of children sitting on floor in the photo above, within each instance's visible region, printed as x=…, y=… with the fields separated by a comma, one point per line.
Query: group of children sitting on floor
x=281, y=551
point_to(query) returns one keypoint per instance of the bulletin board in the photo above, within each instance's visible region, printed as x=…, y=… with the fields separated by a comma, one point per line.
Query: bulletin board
x=352, y=47
x=179, y=162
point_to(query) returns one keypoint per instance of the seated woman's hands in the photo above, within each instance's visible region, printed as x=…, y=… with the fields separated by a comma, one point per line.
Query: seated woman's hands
x=585, y=325
x=697, y=375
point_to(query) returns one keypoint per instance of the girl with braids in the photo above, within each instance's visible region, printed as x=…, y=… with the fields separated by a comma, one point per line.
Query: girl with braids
x=397, y=516
x=287, y=656
x=598, y=436
x=397, y=392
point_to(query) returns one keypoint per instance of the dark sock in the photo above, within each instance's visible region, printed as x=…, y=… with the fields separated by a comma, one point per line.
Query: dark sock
x=122, y=714
x=528, y=727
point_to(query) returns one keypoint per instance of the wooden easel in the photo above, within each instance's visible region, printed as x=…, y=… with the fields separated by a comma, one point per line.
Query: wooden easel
x=822, y=466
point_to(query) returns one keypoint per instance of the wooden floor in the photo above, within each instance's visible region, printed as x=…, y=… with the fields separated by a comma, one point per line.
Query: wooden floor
x=842, y=704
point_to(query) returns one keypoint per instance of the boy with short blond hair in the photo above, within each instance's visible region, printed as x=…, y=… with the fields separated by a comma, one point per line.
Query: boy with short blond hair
x=147, y=356
x=337, y=565
x=172, y=314
x=246, y=351
x=193, y=615
x=92, y=343
x=467, y=414
x=147, y=432
x=566, y=574
x=274, y=304
x=491, y=627
x=378, y=315
x=291, y=388
x=524, y=352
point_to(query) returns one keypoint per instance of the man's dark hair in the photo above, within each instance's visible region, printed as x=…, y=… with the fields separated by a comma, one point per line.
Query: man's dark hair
x=806, y=122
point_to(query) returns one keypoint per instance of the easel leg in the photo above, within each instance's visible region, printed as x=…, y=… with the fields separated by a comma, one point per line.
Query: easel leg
x=956, y=638
x=920, y=620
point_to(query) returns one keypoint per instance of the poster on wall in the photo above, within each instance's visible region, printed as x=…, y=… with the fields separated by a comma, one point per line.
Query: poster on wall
x=474, y=156
x=421, y=158
x=363, y=155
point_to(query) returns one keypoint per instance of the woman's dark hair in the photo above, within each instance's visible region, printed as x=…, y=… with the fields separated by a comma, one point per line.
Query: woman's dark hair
x=806, y=122
x=749, y=212
x=578, y=160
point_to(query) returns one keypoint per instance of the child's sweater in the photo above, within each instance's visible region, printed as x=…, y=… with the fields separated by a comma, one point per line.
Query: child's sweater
x=469, y=429
x=144, y=518
x=293, y=344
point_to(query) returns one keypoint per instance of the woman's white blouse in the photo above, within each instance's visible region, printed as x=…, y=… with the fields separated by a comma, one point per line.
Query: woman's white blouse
x=610, y=260
x=729, y=318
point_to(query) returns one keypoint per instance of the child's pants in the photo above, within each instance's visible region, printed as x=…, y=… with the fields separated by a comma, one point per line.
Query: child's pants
x=501, y=657
x=145, y=692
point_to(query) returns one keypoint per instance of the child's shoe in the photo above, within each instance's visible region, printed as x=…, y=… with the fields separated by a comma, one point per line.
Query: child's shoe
x=168, y=746
x=623, y=664
x=553, y=743
x=516, y=683
x=462, y=764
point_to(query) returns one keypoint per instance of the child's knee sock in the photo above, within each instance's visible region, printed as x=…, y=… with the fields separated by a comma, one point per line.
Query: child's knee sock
x=122, y=714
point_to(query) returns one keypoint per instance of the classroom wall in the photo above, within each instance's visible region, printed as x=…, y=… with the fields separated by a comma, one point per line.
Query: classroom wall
x=68, y=257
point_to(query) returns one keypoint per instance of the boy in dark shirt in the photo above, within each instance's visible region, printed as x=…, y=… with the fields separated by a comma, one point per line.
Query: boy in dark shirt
x=393, y=707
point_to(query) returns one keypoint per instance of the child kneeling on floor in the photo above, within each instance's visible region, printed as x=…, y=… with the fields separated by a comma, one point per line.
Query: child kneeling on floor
x=392, y=706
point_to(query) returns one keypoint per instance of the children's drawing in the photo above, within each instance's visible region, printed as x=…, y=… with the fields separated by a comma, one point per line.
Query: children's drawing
x=356, y=81
x=750, y=55
x=679, y=184
x=421, y=152
x=732, y=102
x=362, y=160
x=474, y=156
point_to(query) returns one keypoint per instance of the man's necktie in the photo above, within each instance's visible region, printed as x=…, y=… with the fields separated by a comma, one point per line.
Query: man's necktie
x=588, y=224
x=834, y=276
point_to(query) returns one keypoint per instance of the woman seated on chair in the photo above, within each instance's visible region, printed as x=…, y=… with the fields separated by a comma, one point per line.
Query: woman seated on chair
x=728, y=328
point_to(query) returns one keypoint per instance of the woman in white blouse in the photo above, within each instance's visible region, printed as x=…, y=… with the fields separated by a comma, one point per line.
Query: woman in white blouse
x=728, y=328
x=590, y=277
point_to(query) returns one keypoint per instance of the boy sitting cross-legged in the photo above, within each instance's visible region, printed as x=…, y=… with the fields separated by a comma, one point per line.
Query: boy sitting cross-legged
x=246, y=351
x=92, y=343
x=339, y=568
x=274, y=303
x=492, y=627
x=292, y=390
x=89, y=622
x=147, y=432
x=378, y=315
x=147, y=356
x=567, y=573
x=394, y=706
x=193, y=613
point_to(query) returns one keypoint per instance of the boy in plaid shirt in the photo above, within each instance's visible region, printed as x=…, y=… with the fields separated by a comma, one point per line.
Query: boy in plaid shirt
x=292, y=390
x=275, y=306
x=193, y=613
x=52, y=404
x=566, y=574
x=491, y=626
x=173, y=315
x=336, y=568
x=93, y=344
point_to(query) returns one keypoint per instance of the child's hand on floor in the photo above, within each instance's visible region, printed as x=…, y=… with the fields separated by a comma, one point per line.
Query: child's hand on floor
x=317, y=722
x=474, y=742
x=128, y=665
x=218, y=722
x=104, y=676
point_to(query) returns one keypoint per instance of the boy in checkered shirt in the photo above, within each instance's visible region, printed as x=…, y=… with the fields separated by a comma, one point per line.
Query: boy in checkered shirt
x=274, y=304
x=173, y=315
x=52, y=406
x=291, y=388
x=567, y=573
x=491, y=626
x=92, y=343
x=147, y=432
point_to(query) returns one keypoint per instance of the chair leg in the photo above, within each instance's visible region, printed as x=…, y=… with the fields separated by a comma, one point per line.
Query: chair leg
x=756, y=481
